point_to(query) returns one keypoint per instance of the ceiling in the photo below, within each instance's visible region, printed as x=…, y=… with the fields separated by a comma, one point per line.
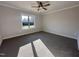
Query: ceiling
x=27, y=5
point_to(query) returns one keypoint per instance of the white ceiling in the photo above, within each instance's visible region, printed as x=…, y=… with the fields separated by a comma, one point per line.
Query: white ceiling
x=27, y=5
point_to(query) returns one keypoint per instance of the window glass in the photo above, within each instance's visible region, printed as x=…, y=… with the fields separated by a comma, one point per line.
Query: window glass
x=27, y=22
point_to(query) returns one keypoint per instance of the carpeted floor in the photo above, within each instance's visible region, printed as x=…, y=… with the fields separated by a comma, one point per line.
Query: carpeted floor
x=56, y=45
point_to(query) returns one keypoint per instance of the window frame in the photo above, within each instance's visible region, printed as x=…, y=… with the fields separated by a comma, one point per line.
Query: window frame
x=28, y=27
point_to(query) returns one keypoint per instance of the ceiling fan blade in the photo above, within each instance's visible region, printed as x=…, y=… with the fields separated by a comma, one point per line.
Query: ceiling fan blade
x=44, y=8
x=47, y=5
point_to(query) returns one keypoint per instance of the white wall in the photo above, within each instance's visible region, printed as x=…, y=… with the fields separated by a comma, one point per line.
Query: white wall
x=0, y=33
x=0, y=41
x=65, y=23
x=11, y=25
x=0, y=38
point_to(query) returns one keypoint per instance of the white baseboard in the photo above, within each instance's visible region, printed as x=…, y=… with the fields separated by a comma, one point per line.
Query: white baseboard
x=62, y=35
x=16, y=34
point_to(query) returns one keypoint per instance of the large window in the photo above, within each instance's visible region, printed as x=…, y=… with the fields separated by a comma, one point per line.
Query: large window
x=27, y=22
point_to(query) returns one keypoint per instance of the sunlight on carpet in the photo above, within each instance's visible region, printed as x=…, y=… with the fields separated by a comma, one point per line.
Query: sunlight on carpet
x=35, y=47
x=25, y=51
x=41, y=49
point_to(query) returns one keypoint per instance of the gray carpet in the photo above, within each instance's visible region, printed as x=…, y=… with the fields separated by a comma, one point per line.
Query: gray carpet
x=58, y=45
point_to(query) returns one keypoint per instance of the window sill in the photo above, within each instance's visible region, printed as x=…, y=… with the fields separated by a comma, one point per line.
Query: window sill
x=26, y=27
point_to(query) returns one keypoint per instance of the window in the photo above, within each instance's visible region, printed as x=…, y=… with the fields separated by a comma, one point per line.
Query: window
x=27, y=22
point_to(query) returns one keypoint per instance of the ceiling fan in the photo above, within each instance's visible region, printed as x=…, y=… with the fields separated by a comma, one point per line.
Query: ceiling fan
x=42, y=4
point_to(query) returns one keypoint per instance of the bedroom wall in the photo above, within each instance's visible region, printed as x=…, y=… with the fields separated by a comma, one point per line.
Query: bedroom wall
x=64, y=23
x=0, y=35
x=11, y=26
